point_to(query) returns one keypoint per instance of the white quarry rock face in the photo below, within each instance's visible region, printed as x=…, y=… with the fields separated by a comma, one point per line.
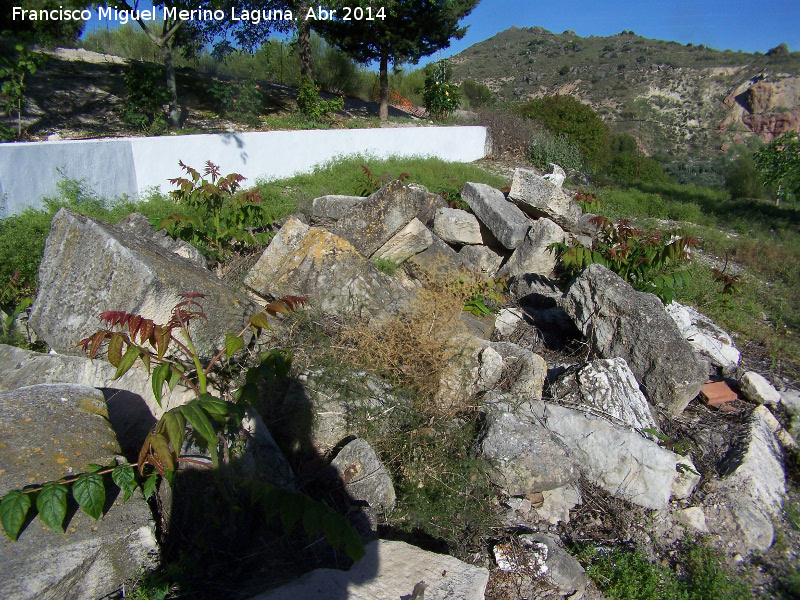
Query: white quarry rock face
x=410, y=240
x=685, y=481
x=706, y=338
x=757, y=389
x=608, y=388
x=695, y=518
x=508, y=320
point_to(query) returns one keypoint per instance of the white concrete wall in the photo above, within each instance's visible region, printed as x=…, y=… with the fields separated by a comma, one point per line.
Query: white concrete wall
x=113, y=167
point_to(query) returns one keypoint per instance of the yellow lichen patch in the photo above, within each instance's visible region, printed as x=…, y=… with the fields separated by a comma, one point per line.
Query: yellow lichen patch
x=92, y=407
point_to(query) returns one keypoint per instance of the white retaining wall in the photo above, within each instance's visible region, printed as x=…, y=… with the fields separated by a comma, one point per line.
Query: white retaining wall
x=113, y=167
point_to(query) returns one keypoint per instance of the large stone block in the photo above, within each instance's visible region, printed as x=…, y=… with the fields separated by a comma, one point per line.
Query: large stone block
x=506, y=222
x=410, y=240
x=526, y=456
x=532, y=255
x=370, y=224
x=331, y=208
x=621, y=322
x=390, y=570
x=90, y=266
x=617, y=459
x=125, y=396
x=606, y=388
x=457, y=226
x=138, y=224
x=48, y=432
x=325, y=268
x=543, y=197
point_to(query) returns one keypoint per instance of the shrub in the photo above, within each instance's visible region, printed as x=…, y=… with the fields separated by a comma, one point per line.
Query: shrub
x=509, y=132
x=545, y=148
x=650, y=263
x=743, y=179
x=441, y=97
x=220, y=219
x=311, y=106
x=571, y=117
x=146, y=95
x=632, y=166
x=477, y=94
x=240, y=101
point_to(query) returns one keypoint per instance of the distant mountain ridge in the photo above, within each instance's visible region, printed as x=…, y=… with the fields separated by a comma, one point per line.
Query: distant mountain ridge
x=679, y=100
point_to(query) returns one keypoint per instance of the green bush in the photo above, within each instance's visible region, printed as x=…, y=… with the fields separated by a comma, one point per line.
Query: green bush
x=477, y=94
x=143, y=106
x=545, y=148
x=441, y=97
x=632, y=166
x=628, y=575
x=578, y=121
x=240, y=101
x=311, y=106
x=743, y=179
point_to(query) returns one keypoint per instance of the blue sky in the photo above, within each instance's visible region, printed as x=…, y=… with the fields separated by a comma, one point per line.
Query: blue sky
x=721, y=24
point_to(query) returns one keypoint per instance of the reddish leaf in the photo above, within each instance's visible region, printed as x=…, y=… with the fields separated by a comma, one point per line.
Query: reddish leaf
x=146, y=330
x=133, y=325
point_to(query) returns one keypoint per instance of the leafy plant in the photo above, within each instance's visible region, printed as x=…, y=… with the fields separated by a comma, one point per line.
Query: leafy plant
x=143, y=106
x=484, y=296
x=477, y=94
x=779, y=164
x=650, y=263
x=441, y=97
x=11, y=306
x=311, y=105
x=386, y=266
x=373, y=183
x=587, y=201
x=236, y=100
x=545, y=148
x=133, y=337
x=221, y=220
x=12, y=84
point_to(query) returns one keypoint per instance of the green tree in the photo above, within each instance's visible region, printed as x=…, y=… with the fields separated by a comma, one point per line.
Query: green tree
x=779, y=164
x=743, y=179
x=43, y=31
x=408, y=30
x=477, y=94
x=578, y=121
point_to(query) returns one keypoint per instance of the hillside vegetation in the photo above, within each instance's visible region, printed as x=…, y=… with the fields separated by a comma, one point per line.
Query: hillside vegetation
x=676, y=100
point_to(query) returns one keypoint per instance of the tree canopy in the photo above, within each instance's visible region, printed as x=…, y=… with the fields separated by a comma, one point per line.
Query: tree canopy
x=401, y=31
x=779, y=164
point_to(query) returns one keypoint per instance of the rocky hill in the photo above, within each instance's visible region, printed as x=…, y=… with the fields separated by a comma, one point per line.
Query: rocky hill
x=679, y=100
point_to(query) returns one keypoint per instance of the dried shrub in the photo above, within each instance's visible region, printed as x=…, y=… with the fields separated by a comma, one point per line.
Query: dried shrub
x=510, y=133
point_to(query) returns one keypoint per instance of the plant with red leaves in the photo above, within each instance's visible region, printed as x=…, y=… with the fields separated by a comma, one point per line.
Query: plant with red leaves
x=221, y=219
x=650, y=263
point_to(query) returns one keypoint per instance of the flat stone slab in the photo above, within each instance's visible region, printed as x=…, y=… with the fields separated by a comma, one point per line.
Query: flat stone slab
x=389, y=571
x=543, y=197
x=617, y=459
x=532, y=255
x=506, y=222
x=457, y=226
x=90, y=266
x=48, y=432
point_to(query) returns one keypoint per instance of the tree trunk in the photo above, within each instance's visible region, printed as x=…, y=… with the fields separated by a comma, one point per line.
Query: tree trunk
x=174, y=112
x=383, y=113
x=304, y=41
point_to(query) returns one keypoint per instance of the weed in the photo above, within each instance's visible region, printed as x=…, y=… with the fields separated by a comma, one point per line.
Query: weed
x=240, y=101
x=311, y=106
x=545, y=148
x=221, y=219
x=386, y=266
x=373, y=183
x=650, y=263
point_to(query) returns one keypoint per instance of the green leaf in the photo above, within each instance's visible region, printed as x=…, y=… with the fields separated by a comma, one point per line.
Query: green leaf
x=51, y=501
x=233, y=343
x=291, y=508
x=313, y=515
x=13, y=510
x=90, y=494
x=353, y=546
x=174, y=377
x=175, y=424
x=199, y=421
x=259, y=321
x=127, y=360
x=125, y=479
x=334, y=529
x=149, y=485
x=160, y=374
